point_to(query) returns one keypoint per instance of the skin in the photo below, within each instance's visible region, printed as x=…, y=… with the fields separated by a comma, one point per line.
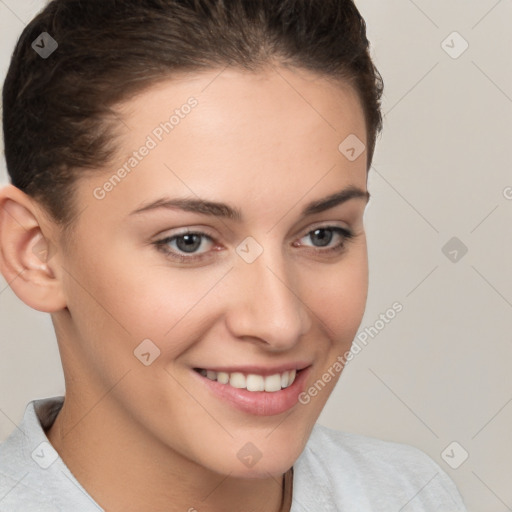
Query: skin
x=266, y=143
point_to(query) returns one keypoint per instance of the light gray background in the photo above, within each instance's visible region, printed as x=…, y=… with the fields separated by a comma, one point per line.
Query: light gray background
x=440, y=371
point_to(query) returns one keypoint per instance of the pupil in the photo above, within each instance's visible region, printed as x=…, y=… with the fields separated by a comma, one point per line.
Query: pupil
x=325, y=240
x=192, y=242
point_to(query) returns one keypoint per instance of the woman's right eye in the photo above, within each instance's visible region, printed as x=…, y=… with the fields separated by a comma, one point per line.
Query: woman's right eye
x=183, y=246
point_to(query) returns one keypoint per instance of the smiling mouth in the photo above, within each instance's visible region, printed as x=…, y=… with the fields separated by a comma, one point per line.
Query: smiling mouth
x=252, y=382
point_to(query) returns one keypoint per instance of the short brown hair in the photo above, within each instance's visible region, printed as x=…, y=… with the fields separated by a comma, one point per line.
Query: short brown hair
x=57, y=111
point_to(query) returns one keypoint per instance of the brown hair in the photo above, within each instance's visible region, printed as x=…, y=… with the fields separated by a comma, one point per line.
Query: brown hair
x=57, y=115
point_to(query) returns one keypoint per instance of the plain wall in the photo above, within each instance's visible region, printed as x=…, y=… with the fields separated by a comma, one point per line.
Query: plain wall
x=439, y=371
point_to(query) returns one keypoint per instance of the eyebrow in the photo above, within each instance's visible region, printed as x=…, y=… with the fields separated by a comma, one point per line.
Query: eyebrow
x=216, y=209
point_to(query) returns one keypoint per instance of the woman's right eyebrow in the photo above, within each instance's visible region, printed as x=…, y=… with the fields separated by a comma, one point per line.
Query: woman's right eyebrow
x=223, y=210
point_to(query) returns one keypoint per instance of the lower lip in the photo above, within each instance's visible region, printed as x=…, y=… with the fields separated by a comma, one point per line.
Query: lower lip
x=259, y=403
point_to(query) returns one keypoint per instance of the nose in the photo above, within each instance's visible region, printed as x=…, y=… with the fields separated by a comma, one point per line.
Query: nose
x=266, y=304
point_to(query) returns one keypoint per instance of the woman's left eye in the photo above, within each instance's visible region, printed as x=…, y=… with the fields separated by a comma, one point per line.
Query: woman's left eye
x=184, y=246
x=325, y=235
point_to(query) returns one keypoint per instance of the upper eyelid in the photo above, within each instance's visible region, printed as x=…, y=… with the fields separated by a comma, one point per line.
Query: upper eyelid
x=213, y=239
x=205, y=232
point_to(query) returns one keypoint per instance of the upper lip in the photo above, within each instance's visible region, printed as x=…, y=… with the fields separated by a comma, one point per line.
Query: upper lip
x=257, y=370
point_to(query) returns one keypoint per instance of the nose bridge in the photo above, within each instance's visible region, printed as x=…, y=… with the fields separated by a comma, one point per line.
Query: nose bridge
x=267, y=304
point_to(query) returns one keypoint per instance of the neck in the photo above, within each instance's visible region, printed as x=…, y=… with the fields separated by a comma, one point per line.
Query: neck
x=124, y=468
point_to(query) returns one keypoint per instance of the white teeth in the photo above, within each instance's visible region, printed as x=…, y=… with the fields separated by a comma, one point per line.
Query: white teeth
x=253, y=382
x=272, y=382
x=223, y=377
x=237, y=380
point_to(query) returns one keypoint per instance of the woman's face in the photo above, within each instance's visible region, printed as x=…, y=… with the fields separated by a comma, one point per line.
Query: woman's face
x=268, y=284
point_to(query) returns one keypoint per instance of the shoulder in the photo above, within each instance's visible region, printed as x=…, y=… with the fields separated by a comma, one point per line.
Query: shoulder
x=364, y=452
x=33, y=478
x=19, y=490
x=353, y=469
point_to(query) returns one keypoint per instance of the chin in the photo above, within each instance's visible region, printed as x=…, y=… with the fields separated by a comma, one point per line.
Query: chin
x=261, y=470
x=258, y=460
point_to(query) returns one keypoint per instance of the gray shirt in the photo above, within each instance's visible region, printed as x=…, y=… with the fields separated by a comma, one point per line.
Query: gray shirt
x=337, y=471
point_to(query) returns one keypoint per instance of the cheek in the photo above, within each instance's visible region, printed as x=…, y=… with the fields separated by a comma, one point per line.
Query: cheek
x=131, y=301
x=337, y=294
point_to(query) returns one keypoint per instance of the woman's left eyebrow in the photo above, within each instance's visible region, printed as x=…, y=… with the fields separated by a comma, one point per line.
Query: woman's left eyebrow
x=217, y=209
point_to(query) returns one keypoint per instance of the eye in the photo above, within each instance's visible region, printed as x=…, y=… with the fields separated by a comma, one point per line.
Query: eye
x=184, y=243
x=322, y=236
x=184, y=247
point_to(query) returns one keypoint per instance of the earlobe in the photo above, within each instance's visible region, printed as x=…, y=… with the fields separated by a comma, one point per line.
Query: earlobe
x=26, y=255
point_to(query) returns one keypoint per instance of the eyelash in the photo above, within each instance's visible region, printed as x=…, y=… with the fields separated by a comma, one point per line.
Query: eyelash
x=162, y=245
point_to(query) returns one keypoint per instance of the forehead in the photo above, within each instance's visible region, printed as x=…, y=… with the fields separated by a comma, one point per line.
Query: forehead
x=277, y=105
x=266, y=136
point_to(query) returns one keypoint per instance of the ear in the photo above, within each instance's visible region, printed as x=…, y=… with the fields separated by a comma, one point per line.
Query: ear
x=26, y=254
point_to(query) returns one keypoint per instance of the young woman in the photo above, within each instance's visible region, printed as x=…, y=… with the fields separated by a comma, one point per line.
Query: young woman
x=189, y=179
